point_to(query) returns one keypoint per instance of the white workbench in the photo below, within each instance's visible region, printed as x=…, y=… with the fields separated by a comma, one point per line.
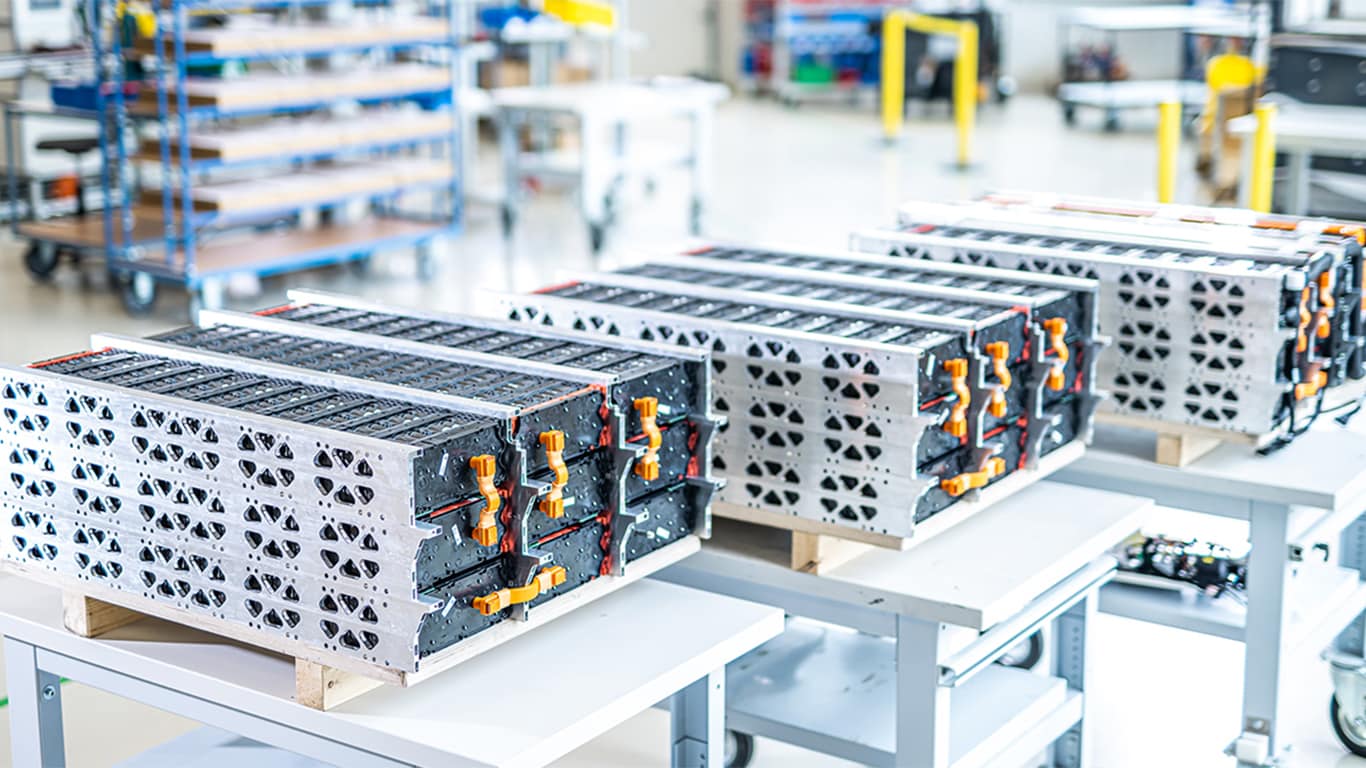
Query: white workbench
x=1299, y=501
x=907, y=677
x=604, y=156
x=1302, y=131
x=524, y=703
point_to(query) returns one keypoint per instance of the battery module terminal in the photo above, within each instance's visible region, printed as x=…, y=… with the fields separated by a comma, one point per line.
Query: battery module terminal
x=961, y=484
x=486, y=531
x=553, y=502
x=1057, y=333
x=647, y=466
x=1000, y=353
x=1323, y=328
x=543, y=582
x=957, y=423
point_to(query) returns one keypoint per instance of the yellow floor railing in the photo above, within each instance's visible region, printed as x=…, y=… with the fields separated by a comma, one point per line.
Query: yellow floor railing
x=894, y=27
x=1168, y=149
x=1263, y=157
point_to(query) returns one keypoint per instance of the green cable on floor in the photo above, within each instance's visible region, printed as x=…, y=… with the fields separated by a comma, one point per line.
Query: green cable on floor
x=4, y=702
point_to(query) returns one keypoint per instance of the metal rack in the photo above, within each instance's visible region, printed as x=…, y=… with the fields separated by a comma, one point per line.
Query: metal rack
x=781, y=32
x=178, y=228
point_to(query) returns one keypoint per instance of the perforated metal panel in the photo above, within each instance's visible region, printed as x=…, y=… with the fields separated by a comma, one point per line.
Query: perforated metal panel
x=317, y=486
x=1205, y=335
x=837, y=393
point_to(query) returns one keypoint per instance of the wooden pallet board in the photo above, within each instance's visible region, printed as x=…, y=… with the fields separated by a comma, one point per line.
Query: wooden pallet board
x=265, y=37
x=814, y=552
x=270, y=91
x=324, y=679
x=235, y=253
x=304, y=136
x=86, y=231
x=242, y=197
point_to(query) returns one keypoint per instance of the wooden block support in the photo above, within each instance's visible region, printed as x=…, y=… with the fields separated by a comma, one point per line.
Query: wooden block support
x=88, y=617
x=1178, y=450
x=817, y=554
x=321, y=687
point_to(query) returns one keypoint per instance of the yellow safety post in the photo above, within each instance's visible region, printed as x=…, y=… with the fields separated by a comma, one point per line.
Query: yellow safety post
x=1263, y=157
x=1168, y=146
x=894, y=27
x=893, y=74
x=965, y=90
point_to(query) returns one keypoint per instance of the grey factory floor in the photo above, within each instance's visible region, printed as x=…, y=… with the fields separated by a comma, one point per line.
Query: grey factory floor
x=1158, y=697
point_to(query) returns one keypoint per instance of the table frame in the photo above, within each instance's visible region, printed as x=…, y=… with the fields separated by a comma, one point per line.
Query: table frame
x=934, y=654
x=1299, y=145
x=601, y=168
x=34, y=674
x=1271, y=568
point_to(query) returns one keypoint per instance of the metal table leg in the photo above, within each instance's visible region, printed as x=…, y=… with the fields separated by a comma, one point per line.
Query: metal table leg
x=1245, y=161
x=1297, y=182
x=35, y=709
x=1072, y=663
x=1267, y=619
x=698, y=715
x=922, y=704
x=512, y=173
x=595, y=179
x=699, y=165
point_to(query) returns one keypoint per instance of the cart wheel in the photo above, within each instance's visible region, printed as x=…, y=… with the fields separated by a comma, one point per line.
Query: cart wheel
x=1069, y=114
x=41, y=259
x=1111, y=121
x=1024, y=655
x=597, y=235
x=139, y=293
x=69, y=253
x=1352, y=735
x=739, y=749
x=509, y=220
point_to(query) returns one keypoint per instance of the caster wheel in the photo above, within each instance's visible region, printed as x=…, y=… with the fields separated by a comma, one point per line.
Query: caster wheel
x=1352, y=735
x=509, y=218
x=1069, y=114
x=1025, y=655
x=739, y=749
x=41, y=259
x=1111, y=121
x=597, y=236
x=139, y=293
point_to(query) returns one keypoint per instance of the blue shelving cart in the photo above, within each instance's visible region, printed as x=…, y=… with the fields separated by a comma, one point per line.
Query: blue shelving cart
x=270, y=137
